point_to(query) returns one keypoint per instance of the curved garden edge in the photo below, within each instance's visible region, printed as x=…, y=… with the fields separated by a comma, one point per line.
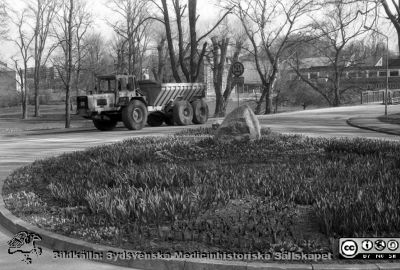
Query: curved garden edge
x=55, y=241
x=353, y=122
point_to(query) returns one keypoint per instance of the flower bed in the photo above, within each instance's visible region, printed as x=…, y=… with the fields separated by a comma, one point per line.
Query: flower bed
x=196, y=194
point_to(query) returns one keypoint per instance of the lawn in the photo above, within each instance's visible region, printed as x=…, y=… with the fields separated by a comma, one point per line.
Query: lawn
x=51, y=117
x=191, y=193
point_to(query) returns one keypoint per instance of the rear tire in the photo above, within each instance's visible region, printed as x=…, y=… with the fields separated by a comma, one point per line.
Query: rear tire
x=134, y=116
x=105, y=125
x=200, y=111
x=155, y=119
x=183, y=113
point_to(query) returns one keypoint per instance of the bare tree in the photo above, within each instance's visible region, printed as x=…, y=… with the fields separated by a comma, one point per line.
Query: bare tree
x=188, y=47
x=92, y=61
x=220, y=48
x=82, y=22
x=342, y=25
x=65, y=34
x=132, y=29
x=23, y=42
x=44, y=12
x=268, y=25
x=20, y=80
x=3, y=19
x=392, y=10
x=229, y=30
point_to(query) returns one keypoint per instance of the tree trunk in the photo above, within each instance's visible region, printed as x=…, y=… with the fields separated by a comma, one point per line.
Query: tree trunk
x=336, y=101
x=36, y=89
x=192, y=5
x=69, y=67
x=267, y=93
x=169, y=41
x=268, y=103
x=220, y=49
x=37, y=62
x=220, y=106
x=264, y=93
x=24, y=114
x=159, y=74
x=178, y=14
x=398, y=40
x=67, y=108
x=24, y=92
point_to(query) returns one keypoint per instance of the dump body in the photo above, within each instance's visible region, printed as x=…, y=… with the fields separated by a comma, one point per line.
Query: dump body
x=160, y=94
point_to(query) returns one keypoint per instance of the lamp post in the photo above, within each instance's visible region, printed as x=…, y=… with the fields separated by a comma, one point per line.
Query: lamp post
x=387, y=69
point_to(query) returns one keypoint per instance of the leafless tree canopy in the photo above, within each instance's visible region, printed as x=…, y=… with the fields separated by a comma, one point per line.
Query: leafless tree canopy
x=393, y=15
x=44, y=12
x=132, y=29
x=191, y=47
x=23, y=42
x=70, y=28
x=3, y=19
x=342, y=25
x=268, y=25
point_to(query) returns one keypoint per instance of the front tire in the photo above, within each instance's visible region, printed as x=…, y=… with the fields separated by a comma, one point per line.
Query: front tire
x=105, y=125
x=134, y=116
x=183, y=113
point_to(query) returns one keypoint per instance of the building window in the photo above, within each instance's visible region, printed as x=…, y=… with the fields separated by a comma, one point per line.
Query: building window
x=394, y=73
x=352, y=75
x=314, y=75
x=382, y=73
x=372, y=73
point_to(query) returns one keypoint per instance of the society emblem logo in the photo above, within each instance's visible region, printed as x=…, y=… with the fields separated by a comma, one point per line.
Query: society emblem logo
x=349, y=248
x=25, y=243
x=380, y=245
x=367, y=245
x=393, y=245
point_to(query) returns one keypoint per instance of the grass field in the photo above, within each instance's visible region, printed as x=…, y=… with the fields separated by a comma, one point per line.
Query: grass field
x=52, y=117
x=189, y=192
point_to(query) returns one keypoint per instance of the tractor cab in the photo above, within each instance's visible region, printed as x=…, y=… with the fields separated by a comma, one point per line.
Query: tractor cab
x=113, y=83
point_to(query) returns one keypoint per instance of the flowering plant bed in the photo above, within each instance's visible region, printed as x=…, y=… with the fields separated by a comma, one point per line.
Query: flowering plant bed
x=280, y=193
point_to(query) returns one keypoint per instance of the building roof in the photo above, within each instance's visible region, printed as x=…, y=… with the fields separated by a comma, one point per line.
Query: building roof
x=314, y=62
x=4, y=67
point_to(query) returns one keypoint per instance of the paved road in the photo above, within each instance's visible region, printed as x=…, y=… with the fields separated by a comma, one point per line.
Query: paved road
x=23, y=149
x=330, y=122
